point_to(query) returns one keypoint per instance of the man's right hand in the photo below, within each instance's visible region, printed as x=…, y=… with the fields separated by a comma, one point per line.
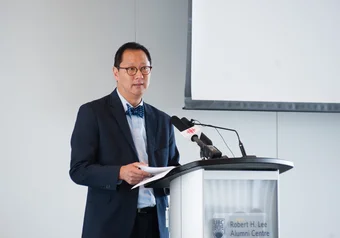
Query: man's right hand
x=132, y=174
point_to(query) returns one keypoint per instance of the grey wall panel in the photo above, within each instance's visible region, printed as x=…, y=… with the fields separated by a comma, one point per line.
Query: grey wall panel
x=161, y=26
x=58, y=55
x=310, y=192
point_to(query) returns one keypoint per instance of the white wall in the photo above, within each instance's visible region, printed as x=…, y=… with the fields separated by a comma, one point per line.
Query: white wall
x=56, y=55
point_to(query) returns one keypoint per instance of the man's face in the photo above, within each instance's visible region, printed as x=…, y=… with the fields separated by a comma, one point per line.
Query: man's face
x=132, y=87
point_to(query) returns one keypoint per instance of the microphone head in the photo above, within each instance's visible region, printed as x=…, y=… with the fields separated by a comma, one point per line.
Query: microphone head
x=178, y=123
x=203, y=137
x=186, y=131
x=187, y=122
x=191, y=132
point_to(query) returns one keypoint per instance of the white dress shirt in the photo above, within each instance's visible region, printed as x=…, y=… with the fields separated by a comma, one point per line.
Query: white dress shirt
x=146, y=197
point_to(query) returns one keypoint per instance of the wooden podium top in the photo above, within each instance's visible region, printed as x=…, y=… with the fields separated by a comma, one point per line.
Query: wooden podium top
x=250, y=163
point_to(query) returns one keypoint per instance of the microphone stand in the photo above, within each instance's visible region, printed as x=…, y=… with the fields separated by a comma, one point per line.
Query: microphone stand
x=243, y=151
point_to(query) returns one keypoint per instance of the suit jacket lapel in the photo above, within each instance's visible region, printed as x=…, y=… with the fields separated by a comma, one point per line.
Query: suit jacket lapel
x=151, y=129
x=117, y=110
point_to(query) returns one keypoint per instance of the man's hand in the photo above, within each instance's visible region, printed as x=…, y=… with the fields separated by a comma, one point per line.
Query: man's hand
x=132, y=174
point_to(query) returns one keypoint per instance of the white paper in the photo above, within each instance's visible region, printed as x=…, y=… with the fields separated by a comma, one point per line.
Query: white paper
x=155, y=170
x=162, y=171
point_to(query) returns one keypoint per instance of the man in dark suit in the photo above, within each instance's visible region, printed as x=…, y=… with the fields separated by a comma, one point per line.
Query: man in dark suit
x=111, y=138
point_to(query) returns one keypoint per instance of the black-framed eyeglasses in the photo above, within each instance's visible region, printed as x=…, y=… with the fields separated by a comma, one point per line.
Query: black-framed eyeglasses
x=145, y=70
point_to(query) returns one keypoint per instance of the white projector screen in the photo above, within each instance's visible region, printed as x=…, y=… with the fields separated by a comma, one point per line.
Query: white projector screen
x=265, y=55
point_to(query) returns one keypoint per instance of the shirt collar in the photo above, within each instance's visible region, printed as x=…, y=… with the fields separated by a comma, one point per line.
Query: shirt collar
x=124, y=101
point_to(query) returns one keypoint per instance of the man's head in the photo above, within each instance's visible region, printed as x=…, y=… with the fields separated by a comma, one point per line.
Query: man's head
x=132, y=68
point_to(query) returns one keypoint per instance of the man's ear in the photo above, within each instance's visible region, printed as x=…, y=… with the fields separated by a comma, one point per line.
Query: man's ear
x=115, y=73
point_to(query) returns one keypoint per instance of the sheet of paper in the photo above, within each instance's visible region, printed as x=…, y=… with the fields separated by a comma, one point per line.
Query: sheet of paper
x=155, y=177
x=155, y=170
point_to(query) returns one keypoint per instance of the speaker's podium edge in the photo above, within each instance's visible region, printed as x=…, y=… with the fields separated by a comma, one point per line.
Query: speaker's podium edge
x=240, y=164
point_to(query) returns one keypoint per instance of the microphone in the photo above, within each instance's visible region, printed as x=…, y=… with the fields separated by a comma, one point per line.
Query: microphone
x=193, y=133
x=178, y=123
x=203, y=137
x=243, y=151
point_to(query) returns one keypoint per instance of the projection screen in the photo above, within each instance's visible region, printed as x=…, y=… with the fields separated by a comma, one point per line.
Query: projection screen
x=263, y=55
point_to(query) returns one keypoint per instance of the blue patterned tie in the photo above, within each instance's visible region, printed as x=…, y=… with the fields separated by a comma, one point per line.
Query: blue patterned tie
x=137, y=111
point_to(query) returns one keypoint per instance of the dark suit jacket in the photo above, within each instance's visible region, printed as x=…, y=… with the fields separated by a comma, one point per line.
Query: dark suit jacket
x=101, y=143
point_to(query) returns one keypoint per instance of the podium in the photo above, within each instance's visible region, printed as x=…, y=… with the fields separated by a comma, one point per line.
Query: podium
x=224, y=198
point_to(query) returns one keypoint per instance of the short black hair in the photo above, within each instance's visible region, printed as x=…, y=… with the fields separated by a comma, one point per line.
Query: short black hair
x=129, y=46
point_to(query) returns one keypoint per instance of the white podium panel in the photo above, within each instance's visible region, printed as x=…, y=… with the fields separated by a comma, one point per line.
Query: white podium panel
x=186, y=213
x=224, y=204
x=225, y=197
x=240, y=204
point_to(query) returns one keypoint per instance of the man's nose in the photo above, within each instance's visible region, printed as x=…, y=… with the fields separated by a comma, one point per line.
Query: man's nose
x=139, y=74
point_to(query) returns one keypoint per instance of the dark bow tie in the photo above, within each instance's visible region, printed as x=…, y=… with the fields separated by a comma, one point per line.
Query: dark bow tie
x=137, y=111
